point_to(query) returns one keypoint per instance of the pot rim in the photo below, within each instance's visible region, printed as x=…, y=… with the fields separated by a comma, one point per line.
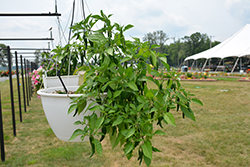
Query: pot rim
x=63, y=76
x=48, y=92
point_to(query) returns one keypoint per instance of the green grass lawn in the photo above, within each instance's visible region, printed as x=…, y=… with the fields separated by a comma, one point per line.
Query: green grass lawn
x=226, y=78
x=219, y=137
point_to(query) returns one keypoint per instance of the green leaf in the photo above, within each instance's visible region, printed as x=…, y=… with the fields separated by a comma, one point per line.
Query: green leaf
x=159, y=132
x=155, y=73
x=78, y=123
x=139, y=107
x=154, y=59
x=166, y=65
x=81, y=105
x=140, y=99
x=188, y=113
x=132, y=106
x=109, y=94
x=118, y=139
x=132, y=86
x=147, y=160
x=110, y=51
x=182, y=98
x=118, y=121
x=169, y=118
x=102, y=79
x=164, y=59
x=128, y=148
x=125, y=59
x=154, y=46
x=150, y=94
x=76, y=133
x=92, y=121
x=169, y=83
x=111, y=111
x=105, y=86
x=128, y=27
x=147, y=149
x=72, y=108
x=99, y=122
x=155, y=149
x=106, y=61
x=128, y=133
x=112, y=136
x=197, y=101
x=117, y=93
x=149, y=68
x=98, y=146
x=91, y=141
x=96, y=37
x=95, y=108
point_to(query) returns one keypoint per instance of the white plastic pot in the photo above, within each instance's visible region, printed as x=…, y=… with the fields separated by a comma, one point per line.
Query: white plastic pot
x=56, y=106
x=69, y=80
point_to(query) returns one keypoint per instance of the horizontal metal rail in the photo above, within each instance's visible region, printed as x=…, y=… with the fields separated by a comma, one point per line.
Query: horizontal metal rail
x=25, y=39
x=30, y=14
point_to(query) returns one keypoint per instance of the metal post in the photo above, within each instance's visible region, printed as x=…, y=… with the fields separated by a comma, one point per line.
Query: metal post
x=11, y=93
x=28, y=77
x=26, y=82
x=18, y=88
x=30, y=80
x=24, y=99
x=1, y=133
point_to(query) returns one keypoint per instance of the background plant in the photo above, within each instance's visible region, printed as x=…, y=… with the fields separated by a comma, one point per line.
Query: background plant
x=189, y=75
x=36, y=78
x=129, y=109
x=67, y=59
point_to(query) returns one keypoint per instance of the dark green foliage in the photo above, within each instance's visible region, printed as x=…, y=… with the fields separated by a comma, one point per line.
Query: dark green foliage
x=3, y=55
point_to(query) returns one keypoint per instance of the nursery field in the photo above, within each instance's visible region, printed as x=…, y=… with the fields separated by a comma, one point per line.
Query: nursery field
x=219, y=137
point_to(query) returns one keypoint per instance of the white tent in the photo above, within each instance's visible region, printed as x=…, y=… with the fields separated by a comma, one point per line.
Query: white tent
x=237, y=45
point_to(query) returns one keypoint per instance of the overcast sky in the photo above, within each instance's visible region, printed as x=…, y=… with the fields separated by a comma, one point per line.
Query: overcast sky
x=177, y=18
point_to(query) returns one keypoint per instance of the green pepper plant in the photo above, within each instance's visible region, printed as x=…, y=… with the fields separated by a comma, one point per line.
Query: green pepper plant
x=116, y=79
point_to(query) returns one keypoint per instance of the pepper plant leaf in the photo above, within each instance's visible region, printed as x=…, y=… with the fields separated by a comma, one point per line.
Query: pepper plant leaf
x=197, y=101
x=76, y=133
x=169, y=118
x=98, y=146
x=132, y=86
x=147, y=149
x=188, y=113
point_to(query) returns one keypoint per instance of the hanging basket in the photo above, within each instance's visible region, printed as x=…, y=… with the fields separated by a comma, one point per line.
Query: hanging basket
x=56, y=106
x=69, y=80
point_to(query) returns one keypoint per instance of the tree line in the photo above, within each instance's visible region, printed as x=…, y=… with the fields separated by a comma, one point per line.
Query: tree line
x=180, y=48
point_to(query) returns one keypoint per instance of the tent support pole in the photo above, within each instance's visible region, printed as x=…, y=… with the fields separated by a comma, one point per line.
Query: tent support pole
x=218, y=65
x=248, y=60
x=209, y=62
x=235, y=65
x=204, y=65
x=240, y=63
x=196, y=64
x=192, y=64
